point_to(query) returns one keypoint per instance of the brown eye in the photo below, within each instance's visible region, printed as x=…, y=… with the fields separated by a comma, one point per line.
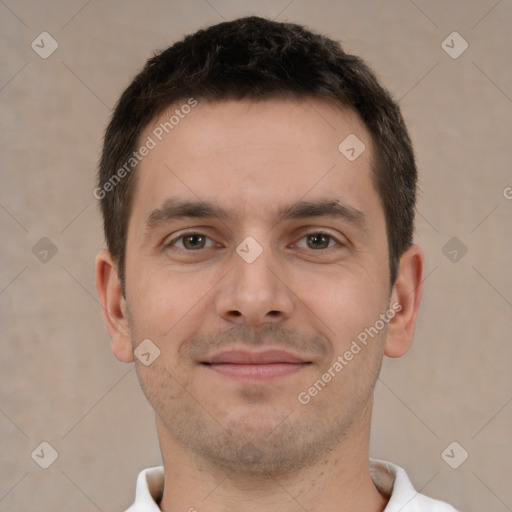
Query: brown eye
x=318, y=241
x=190, y=242
x=194, y=241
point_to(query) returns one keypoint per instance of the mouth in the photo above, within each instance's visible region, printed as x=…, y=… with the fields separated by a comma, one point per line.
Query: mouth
x=244, y=365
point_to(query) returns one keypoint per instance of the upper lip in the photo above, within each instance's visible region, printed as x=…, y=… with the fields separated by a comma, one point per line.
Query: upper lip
x=246, y=357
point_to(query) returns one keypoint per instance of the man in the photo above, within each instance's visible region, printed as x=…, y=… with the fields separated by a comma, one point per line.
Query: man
x=258, y=188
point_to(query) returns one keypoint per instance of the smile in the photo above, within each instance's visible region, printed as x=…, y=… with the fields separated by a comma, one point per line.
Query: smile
x=267, y=365
x=257, y=371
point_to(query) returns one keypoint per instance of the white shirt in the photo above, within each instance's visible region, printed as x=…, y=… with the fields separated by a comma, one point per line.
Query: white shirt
x=391, y=480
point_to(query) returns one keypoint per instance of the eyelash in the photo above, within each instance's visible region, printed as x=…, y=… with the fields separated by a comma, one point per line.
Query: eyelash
x=171, y=243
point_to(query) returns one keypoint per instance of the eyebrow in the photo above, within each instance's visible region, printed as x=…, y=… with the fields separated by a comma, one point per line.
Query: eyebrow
x=174, y=208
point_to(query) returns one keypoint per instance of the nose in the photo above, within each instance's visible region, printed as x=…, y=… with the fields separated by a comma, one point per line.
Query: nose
x=255, y=292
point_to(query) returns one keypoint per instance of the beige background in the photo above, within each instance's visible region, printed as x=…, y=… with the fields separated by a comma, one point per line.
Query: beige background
x=60, y=383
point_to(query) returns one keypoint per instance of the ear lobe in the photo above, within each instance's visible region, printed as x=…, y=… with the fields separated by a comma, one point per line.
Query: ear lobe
x=405, y=301
x=115, y=311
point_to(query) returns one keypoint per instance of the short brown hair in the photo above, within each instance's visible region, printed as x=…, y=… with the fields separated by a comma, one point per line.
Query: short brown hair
x=255, y=58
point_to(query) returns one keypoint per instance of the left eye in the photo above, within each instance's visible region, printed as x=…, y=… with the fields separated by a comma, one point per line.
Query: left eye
x=191, y=241
x=318, y=241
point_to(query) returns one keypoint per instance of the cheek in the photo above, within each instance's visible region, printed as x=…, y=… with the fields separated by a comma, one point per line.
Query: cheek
x=161, y=299
x=164, y=387
x=167, y=308
x=343, y=304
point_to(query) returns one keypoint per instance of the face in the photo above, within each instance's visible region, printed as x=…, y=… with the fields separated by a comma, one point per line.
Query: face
x=256, y=257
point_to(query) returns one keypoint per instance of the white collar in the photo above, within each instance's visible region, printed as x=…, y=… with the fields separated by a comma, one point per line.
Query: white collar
x=390, y=479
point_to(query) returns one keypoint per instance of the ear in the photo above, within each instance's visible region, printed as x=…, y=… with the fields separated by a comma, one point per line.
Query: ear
x=115, y=311
x=405, y=301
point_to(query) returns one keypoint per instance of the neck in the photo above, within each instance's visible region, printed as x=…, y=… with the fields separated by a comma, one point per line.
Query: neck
x=339, y=482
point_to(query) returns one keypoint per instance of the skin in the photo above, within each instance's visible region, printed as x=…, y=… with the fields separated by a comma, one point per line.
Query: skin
x=251, y=445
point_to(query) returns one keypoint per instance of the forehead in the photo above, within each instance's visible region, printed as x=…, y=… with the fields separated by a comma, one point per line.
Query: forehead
x=254, y=156
x=309, y=122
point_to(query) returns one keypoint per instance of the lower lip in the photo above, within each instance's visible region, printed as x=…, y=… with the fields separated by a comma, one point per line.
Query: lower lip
x=257, y=371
